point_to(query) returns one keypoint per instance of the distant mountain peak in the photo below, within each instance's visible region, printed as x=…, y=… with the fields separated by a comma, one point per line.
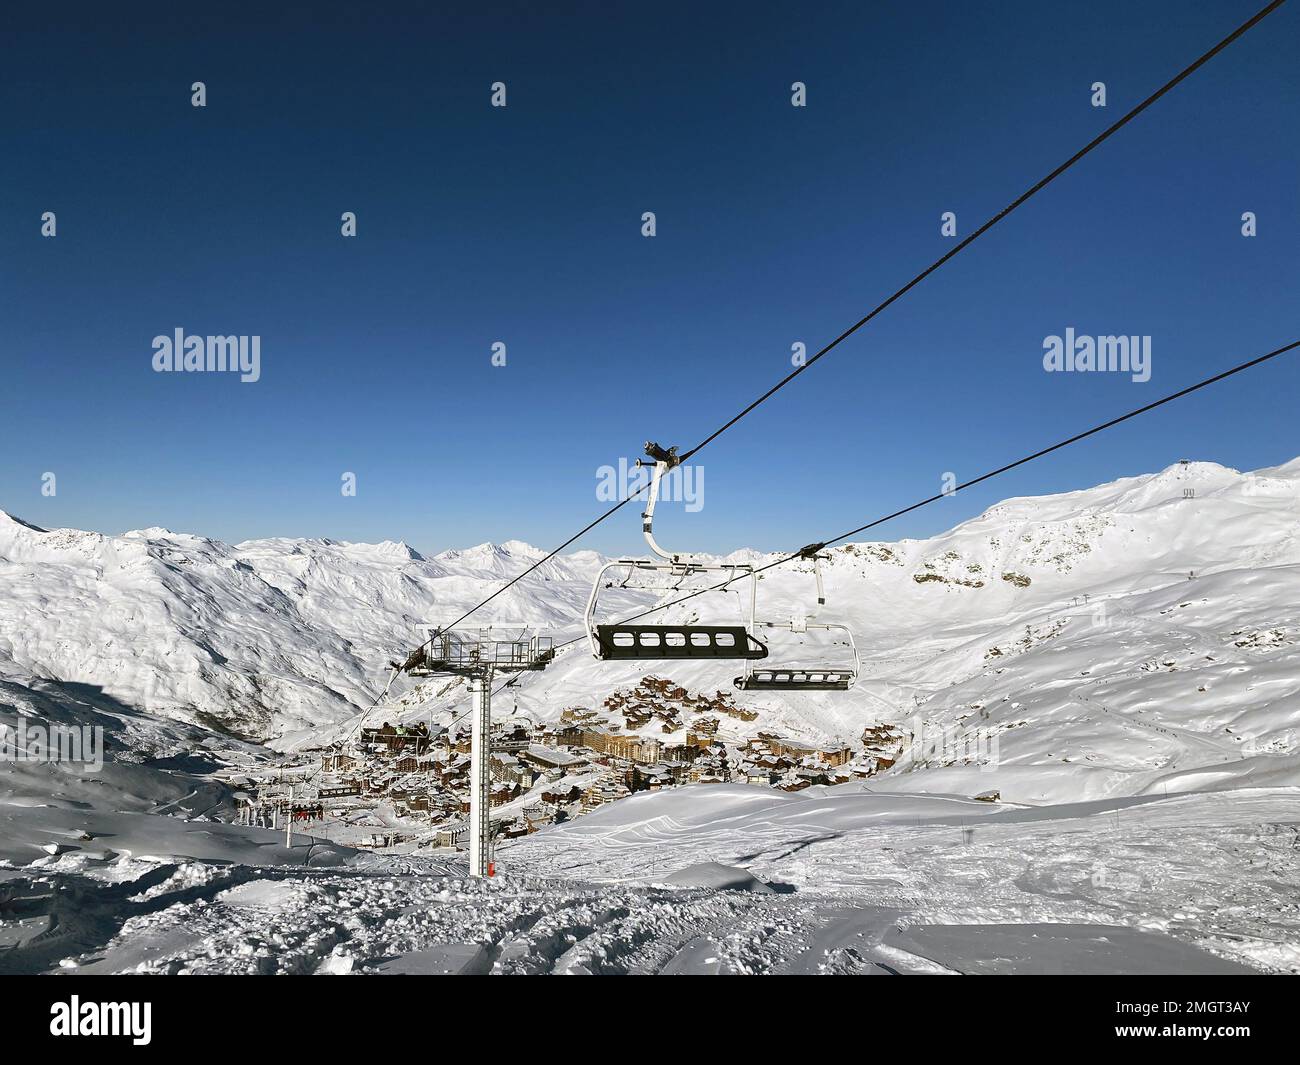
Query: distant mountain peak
x=400, y=548
x=489, y=550
x=154, y=532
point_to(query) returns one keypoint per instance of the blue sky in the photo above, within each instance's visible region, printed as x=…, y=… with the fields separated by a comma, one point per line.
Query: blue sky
x=775, y=224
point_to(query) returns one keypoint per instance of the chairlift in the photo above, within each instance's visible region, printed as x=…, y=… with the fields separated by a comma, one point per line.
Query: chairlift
x=820, y=678
x=617, y=642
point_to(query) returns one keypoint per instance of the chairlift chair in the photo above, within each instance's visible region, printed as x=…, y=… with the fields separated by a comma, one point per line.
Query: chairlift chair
x=618, y=642
x=805, y=678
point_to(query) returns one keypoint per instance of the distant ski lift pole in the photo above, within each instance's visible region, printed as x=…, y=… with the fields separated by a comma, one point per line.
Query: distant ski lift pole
x=628, y=641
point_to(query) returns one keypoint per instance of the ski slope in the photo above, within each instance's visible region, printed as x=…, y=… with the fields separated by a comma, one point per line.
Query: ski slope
x=719, y=879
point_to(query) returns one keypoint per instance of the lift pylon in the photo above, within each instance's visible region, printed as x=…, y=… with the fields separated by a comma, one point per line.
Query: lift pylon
x=479, y=654
x=480, y=773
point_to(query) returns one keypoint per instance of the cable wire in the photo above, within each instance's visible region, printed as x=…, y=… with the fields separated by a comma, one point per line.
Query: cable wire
x=803, y=551
x=1037, y=187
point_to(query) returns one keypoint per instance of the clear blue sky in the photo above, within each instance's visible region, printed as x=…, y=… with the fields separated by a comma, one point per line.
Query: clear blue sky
x=522, y=224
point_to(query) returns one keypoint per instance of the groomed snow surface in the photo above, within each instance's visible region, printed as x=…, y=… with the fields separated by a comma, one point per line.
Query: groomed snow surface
x=1148, y=772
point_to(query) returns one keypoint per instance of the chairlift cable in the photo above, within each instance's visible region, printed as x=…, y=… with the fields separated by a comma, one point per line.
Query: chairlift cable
x=1037, y=187
x=814, y=548
x=962, y=245
x=802, y=552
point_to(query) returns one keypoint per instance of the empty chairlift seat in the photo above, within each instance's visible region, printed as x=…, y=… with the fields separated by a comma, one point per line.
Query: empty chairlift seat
x=789, y=678
x=677, y=641
x=815, y=678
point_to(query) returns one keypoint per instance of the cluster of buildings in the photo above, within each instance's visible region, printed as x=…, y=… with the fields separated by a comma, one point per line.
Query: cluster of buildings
x=547, y=773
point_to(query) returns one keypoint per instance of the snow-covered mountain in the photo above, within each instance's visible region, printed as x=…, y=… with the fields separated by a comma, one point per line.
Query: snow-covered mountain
x=1136, y=635
x=256, y=638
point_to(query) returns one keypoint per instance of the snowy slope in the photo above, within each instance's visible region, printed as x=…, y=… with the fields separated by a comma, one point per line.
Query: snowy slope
x=1155, y=682
x=723, y=879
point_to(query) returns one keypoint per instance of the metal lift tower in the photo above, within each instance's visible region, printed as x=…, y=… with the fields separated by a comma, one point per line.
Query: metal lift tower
x=479, y=654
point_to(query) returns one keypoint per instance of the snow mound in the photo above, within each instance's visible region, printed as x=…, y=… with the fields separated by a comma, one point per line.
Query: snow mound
x=718, y=877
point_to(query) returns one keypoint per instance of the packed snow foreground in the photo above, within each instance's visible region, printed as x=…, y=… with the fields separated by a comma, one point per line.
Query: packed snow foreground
x=1073, y=749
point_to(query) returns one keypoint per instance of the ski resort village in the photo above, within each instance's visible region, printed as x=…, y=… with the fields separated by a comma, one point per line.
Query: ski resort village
x=410, y=783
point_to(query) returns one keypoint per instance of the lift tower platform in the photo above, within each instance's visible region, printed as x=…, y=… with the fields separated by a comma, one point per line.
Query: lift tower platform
x=479, y=654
